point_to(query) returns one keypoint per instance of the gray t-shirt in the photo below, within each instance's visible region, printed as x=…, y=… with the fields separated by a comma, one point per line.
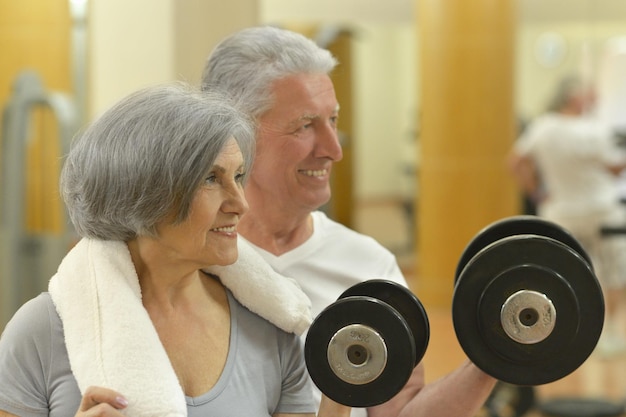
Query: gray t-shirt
x=264, y=373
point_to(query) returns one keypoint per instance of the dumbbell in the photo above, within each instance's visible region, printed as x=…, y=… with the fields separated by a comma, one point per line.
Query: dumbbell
x=360, y=350
x=527, y=307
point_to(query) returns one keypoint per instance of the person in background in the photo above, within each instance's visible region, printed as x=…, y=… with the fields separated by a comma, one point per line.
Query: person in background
x=132, y=323
x=282, y=80
x=579, y=160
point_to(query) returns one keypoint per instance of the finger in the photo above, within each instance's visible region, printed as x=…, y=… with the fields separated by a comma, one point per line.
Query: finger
x=99, y=395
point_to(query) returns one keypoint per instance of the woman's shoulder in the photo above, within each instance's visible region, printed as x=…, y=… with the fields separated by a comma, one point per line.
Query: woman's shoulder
x=38, y=375
x=34, y=319
x=34, y=310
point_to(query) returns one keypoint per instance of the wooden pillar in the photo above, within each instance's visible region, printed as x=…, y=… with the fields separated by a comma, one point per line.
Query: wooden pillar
x=468, y=125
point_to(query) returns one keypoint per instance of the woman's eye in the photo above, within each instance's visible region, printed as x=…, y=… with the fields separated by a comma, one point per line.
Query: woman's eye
x=211, y=179
x=239, y=177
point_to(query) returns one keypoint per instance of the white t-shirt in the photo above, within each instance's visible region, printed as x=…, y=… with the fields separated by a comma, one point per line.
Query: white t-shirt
x=333, y=259
x=572, y=154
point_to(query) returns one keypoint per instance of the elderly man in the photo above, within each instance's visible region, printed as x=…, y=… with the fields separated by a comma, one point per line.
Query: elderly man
x=281, y=79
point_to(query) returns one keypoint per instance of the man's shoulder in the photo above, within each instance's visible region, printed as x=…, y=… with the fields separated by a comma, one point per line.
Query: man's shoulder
x=324, y=223
x=339, y=233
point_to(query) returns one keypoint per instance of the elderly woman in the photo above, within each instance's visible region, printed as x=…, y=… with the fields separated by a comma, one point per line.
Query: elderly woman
x=136, y=321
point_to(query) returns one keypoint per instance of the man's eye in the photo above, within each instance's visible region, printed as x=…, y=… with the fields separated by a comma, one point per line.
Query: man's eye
x=239, y=177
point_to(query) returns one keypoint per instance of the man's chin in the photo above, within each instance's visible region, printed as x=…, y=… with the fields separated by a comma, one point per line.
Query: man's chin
x=319, y=201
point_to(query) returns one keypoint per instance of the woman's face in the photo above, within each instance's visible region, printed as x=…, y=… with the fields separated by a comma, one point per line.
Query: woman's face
x=208, y=236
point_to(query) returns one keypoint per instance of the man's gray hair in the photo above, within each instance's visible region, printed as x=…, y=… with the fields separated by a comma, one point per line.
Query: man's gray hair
x=247, y=63
x=145, y=158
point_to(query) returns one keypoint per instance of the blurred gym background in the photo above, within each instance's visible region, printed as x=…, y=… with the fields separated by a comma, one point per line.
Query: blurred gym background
x=433, y=95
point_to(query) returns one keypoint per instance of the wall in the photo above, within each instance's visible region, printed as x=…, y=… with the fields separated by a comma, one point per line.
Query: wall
x=142, y=42
x=200, y=25
x=584, y=43
x=386, y=110
x=130, y=45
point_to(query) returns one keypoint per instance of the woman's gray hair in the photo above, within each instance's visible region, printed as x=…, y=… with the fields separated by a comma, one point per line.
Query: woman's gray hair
x=247, y=63
x=145, y=158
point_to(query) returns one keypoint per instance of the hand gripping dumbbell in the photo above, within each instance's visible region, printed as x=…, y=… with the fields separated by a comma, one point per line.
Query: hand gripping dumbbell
x=527, y=307
x=360, y=350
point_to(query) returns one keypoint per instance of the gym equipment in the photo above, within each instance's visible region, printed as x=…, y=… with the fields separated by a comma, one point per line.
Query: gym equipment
x=28, y=258
x=581, y=407
x=518, y=225
x=360, y=350
x=508, y=400
x=527, y=307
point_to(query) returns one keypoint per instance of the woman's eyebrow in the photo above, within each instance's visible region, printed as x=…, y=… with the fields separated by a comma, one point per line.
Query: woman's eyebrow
x=222, y=170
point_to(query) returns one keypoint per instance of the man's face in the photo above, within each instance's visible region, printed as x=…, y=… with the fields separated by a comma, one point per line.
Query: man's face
x=297, y=143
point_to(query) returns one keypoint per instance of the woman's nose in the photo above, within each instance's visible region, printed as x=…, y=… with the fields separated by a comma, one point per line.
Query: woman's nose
x=236, y=201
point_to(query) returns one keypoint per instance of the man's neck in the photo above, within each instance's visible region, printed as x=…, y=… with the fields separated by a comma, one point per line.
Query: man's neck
x=274, y=231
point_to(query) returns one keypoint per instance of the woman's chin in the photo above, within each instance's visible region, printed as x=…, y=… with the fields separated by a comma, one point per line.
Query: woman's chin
x=227, y=259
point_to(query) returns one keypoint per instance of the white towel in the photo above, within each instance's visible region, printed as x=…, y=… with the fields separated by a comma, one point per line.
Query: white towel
x=110, y=339
x=262, y=290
